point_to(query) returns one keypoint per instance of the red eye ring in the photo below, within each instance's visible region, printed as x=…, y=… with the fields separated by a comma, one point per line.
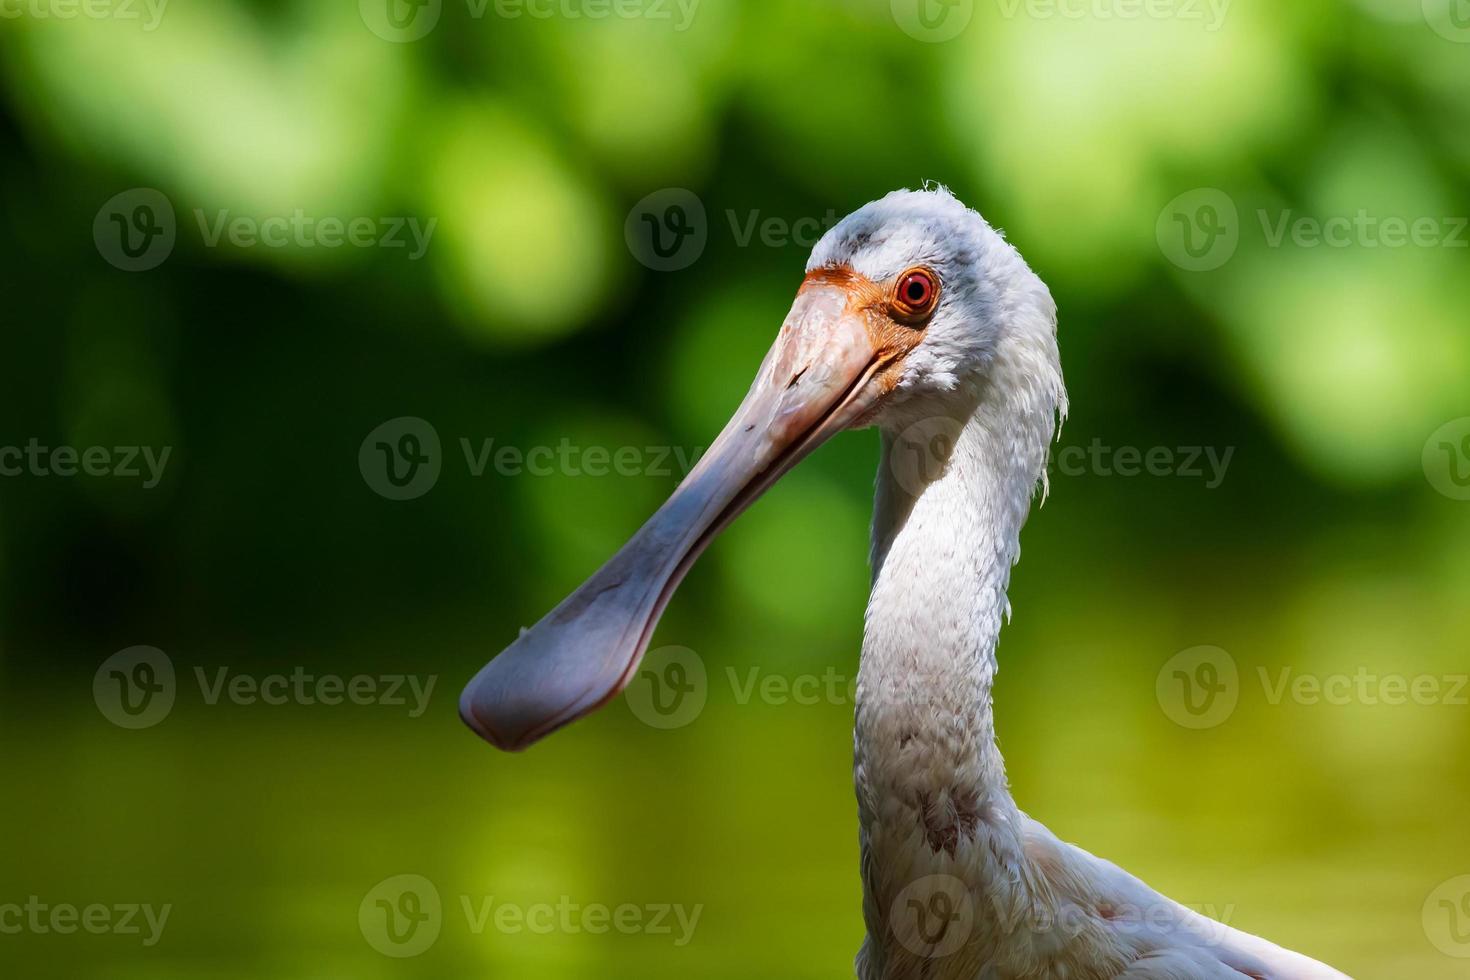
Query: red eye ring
x=917, y=294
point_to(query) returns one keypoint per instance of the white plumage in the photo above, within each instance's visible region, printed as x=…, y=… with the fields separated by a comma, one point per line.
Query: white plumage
x=918, y=317
x=933, y=798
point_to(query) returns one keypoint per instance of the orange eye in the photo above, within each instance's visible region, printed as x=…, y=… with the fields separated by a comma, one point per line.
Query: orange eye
x=917, y=294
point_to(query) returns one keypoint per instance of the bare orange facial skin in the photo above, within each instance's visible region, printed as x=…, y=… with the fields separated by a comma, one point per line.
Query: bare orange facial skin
x=893, y=336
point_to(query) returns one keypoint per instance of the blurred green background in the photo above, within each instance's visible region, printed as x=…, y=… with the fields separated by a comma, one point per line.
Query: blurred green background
x=1336, y=542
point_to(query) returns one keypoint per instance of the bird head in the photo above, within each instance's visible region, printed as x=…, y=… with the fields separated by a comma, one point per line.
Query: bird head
x=907, y=307
x=944, y=297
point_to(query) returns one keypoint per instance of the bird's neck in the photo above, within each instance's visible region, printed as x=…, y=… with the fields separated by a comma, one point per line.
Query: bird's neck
x=932, y=790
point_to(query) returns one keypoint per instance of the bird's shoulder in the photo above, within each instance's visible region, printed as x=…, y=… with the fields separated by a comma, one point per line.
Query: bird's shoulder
x=1160, y=938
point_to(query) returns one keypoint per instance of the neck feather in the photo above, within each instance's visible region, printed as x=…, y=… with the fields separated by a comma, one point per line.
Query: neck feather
x=932, y=790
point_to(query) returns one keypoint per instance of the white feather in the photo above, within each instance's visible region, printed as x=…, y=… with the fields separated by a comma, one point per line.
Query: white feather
x=934, y=804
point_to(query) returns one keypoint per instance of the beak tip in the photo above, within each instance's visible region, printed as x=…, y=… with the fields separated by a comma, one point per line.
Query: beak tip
x=505, y=741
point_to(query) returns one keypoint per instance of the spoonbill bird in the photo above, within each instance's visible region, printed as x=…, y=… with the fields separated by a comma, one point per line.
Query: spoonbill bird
x=914, y=314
